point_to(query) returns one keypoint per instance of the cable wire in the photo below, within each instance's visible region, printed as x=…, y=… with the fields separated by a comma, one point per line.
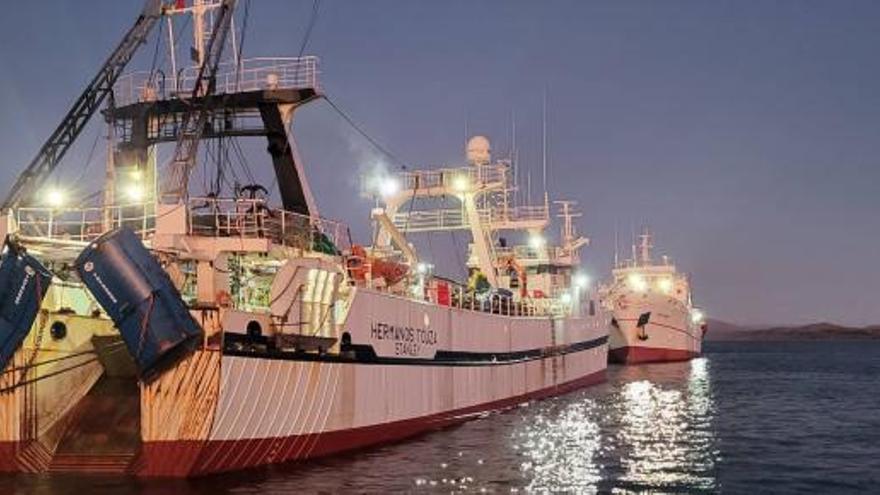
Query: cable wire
x=364, y=134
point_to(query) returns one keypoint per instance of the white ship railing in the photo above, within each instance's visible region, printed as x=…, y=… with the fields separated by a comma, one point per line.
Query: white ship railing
x=253, y=218
x=252, y=74
x=83, y=224
x=494, y=302
x=449, y=178
x=454, y=218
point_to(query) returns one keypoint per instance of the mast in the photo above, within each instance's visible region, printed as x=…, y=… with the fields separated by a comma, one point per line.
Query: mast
x=109, y=174
x=193, y=125
x=513, y=157
x=199, y=31
x=544, y=147
x=645, y=246
x=616, y=247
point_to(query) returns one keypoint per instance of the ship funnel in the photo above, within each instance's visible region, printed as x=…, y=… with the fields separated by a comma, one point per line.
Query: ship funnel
x=24, y=282
x=140, y=298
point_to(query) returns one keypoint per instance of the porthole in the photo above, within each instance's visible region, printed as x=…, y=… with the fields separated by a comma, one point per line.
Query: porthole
x=58, y=330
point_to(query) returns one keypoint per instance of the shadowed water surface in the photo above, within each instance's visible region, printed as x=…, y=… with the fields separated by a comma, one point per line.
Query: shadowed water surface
x=745, y=418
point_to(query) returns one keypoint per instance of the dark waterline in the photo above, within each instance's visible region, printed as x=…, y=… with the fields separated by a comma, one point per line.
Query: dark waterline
x=788, y=417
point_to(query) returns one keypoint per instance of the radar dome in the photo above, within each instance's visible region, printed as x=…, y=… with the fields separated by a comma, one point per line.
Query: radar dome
x=479, y=152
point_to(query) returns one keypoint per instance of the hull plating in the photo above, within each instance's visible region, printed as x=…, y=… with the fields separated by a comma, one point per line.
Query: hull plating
x=669, y=335
x=428, y=367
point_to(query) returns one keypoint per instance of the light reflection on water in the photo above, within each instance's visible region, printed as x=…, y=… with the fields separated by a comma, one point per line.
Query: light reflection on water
x=658, y=433
x=561, y=450
x=666, y=434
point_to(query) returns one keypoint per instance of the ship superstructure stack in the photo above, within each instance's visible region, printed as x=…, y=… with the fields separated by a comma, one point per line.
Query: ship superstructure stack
x=509, y=251
x=189, y=332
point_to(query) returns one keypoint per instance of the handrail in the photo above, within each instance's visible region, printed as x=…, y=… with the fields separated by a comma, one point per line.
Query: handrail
x=251, y=74
x=84, y=224
x=253, y=218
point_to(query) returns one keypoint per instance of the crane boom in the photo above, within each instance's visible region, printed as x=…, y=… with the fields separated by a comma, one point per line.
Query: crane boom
x=193, y=125
x=53, y=150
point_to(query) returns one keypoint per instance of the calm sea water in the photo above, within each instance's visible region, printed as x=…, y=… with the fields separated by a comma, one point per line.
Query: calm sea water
x=790, y=417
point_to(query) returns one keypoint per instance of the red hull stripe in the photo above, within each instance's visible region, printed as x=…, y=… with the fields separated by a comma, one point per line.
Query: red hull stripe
x=634, y=354
x=189, y=458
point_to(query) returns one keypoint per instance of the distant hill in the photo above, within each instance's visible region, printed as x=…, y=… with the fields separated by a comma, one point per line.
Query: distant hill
x=723, y=331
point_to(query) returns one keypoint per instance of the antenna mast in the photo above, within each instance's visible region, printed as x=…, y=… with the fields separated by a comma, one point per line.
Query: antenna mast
x=616, y=247
x=513, y=157
x=645, y=246
x=544, y=146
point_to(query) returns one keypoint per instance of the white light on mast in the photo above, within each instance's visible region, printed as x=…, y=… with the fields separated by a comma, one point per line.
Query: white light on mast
x=55, y=197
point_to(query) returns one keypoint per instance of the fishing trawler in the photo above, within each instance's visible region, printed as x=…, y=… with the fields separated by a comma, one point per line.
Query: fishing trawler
x=163, y=331
x=654, y=317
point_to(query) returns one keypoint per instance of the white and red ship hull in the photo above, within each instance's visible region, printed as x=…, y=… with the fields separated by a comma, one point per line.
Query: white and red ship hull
x=411, y=367
x=443, y=366
x=668, y=335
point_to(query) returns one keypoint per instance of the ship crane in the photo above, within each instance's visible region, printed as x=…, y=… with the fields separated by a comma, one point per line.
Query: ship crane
x=60, y=141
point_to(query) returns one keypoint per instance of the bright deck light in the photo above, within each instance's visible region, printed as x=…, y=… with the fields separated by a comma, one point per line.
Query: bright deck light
x=461, y=183
x=536, y=241
x=665, y=285
x=422, y=268
x=388, y=186
x=697, y=316
x=55, y=198
x=637, y=282
x=134, y=192
x=565, y=298
x=581, y=280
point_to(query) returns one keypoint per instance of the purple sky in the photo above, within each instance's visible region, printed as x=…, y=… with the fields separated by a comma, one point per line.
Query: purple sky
x=745, y=133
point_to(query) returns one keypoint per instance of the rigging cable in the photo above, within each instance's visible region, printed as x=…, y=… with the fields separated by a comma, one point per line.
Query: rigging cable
x=153, y=64
x=312, y=21
x=364, y=134
x=88, y=161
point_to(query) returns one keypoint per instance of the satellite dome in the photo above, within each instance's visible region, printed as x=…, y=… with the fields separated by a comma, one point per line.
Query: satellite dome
x=479, y=152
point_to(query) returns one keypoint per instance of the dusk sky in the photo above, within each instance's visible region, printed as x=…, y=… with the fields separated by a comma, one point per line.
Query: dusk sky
x=744, y=133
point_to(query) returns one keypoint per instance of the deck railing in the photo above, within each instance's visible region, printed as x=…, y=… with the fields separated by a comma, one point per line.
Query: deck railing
x=455, y=218
x=254, y=219
x=450, y=178
x=251, y=74
x=84, y=224
x=494, y=302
